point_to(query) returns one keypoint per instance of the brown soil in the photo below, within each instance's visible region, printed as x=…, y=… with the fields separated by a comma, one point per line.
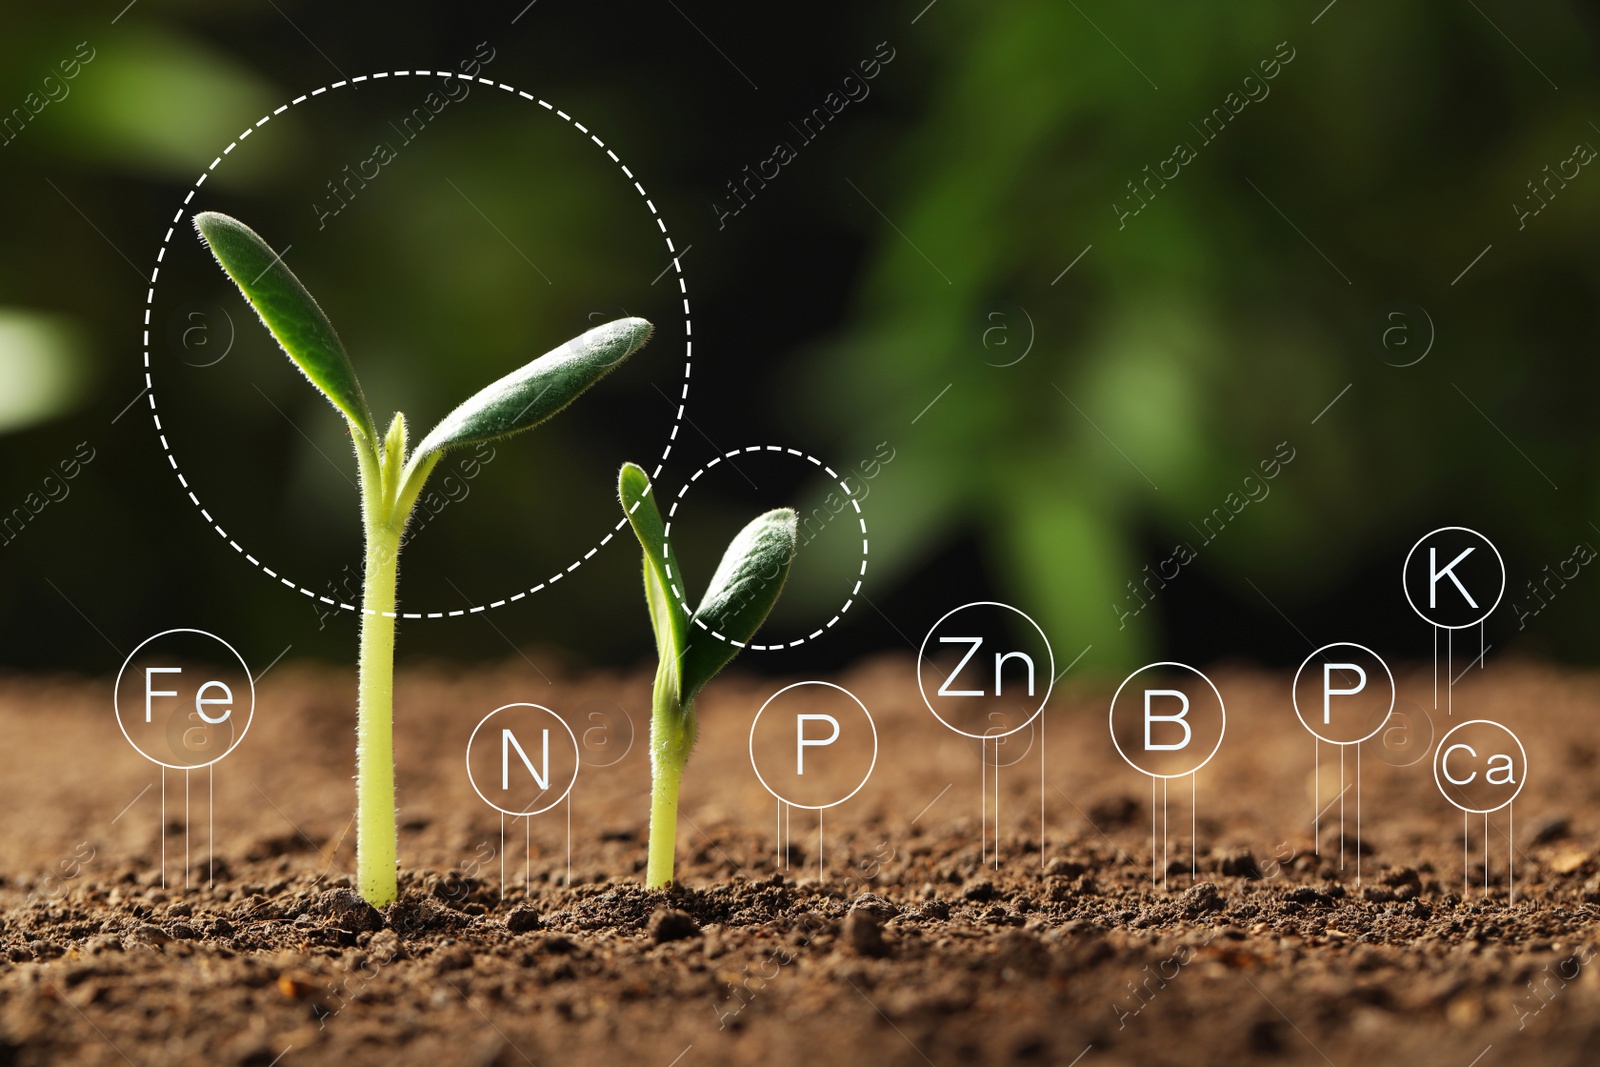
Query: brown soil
x=908, y=951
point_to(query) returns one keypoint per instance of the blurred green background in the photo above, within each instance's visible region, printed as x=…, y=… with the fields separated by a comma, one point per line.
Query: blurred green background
x=1050, y=286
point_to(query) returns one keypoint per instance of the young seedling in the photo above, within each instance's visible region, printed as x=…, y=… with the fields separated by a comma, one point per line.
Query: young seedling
x=692, y=646
x=391, y=478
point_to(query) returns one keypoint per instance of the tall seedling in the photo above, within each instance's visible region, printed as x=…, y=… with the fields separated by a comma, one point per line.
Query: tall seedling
x=692, y=646
x=391, y=479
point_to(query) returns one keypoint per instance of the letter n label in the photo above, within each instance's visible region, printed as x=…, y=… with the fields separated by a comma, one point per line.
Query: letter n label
x=508, y=741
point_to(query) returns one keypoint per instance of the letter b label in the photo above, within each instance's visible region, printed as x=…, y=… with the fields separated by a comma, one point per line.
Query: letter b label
x=1179, y=715
x=1167, y=720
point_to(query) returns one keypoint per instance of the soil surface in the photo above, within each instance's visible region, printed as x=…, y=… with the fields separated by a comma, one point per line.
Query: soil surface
x=897, y=945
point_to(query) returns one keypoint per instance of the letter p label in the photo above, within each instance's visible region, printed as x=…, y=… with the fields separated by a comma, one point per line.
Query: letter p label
x=1360, y=680
x=1329, y=692
x=802, y=742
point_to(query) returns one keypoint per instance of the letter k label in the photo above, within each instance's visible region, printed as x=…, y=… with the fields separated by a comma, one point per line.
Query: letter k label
x=1434, y=574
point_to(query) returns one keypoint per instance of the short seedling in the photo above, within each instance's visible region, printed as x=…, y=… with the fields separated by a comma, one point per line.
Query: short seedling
x=391, y=479
x=692, y=646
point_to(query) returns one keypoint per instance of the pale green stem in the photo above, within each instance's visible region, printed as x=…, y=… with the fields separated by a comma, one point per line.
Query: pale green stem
x=377, y=840
x=672, y=735
x=386, y=502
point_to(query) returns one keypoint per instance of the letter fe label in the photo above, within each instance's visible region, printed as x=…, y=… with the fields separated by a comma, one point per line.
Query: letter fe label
x=184, y=699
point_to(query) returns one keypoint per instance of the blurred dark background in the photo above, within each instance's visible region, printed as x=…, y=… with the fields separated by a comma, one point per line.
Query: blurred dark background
x=1375, y=257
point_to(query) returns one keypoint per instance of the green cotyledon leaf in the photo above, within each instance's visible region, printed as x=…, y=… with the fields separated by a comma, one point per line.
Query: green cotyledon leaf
x=741, y=594
x=289, y=312
x=667, y=615
x=526, y=397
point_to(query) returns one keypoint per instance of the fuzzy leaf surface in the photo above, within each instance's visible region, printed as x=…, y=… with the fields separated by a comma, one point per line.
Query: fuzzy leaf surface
x=667, y=617
x=289, y=312
x=528, y=396
x=741, y=594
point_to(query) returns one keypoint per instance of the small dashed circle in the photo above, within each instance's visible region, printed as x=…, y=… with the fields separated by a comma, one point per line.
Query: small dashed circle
x=177, y=219
x=848, y=495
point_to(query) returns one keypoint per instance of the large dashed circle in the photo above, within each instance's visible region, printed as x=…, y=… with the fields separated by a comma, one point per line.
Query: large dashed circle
x=177, y=220
x=678, y=594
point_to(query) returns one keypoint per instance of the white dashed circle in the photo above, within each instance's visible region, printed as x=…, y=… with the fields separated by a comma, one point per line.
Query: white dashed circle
x=678, y=594
x=177, y=221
